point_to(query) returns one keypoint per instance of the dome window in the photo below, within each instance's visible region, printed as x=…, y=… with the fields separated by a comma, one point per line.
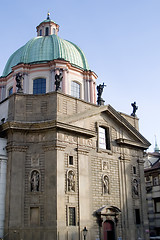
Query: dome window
x=75, y=89
x=40, y=32
x=54, y=31
x=46, y=31
x=10, y=92
x=39, y=86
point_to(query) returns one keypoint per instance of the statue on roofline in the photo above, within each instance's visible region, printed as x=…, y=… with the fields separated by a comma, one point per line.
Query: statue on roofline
x=100, y=100
x=134, y=109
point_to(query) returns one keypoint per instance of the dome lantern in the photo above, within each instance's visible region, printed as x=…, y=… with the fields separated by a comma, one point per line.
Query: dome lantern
x=47, y=27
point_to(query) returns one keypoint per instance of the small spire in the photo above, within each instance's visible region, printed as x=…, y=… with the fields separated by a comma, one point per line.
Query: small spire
x=48, y=15
x=156, y=149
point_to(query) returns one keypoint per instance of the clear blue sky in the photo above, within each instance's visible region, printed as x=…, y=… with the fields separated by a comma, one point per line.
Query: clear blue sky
x=120, y=38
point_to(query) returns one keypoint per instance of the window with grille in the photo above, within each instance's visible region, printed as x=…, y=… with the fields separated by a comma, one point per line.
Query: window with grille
x=39, y=86
x=75, y=89
x=104, y=138
x=72, y=216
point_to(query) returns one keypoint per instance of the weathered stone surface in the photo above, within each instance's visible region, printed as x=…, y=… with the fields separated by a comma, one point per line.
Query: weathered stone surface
x=43, y=131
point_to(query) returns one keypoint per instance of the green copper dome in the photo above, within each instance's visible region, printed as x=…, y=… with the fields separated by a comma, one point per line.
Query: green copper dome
x=44, y=49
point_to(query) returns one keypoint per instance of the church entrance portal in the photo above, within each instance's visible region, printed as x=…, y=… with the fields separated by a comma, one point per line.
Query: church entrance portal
x=108, y=230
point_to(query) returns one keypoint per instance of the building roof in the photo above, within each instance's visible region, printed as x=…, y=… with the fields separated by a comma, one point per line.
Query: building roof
x=47, y=48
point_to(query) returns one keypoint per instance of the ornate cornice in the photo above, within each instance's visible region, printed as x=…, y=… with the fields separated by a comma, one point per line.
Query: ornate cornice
x=127, y=142
x=125, y=158
x=17, y=148
x=44, y=125
x=55, y=146
x=59, y=147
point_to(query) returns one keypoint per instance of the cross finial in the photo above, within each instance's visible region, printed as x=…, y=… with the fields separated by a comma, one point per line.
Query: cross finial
x=48, y=15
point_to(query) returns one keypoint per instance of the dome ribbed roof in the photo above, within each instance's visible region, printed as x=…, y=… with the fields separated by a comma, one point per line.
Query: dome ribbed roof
x=44, y=49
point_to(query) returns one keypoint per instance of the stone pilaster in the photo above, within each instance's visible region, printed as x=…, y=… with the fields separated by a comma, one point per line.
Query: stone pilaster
x=84, y=187
x=3, y=171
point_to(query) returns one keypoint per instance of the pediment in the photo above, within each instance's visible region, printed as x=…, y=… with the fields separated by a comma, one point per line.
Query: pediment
x=108, y=210
x=131, y=136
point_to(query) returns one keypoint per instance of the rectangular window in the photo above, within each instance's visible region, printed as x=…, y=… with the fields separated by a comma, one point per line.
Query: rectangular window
x=155, y=181
x=157, y=205
x=104, y=138
x=70, y=160
x=75, y=89
x=137, y=216
x=39, y=86
x=72, y=216
x=134, y=170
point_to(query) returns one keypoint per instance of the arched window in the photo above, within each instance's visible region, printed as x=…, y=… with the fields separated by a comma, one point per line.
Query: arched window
x=39, y=86
x=40, y=32
x=54, y=30
x=47, y=31
x=10, y=91
x=75, y=89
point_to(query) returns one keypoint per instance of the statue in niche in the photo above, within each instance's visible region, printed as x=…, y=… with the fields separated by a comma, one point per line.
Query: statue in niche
x=105, y=184
x=134, y=109
x=19, y=79
x=71, y=181
x=135, y=187
x=58, y=79
x=35, y=179
x=100, y=100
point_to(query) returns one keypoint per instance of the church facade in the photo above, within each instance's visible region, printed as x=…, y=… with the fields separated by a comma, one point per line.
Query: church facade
x=70, y=169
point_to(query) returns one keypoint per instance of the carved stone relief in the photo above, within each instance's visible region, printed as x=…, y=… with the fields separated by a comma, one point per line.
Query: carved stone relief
x=105, y=165
x=35, y=160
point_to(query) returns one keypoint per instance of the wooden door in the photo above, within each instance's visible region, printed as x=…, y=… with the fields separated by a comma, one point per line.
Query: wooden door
x=108, y=230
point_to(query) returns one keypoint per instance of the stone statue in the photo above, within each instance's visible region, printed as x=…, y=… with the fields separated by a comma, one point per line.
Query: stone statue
x=71, y=181
x=100, y=100
x=134, y=109
x=105, y=184
x=34, y=181
x=135, y=187
x=58, y=79
x=19, y=79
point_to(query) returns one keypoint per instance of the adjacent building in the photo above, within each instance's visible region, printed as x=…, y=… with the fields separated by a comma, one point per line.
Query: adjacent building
x=152, y=178
x=73, y=167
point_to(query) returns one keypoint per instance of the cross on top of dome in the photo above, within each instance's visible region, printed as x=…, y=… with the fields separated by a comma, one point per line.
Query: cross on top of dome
x=48, y=15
